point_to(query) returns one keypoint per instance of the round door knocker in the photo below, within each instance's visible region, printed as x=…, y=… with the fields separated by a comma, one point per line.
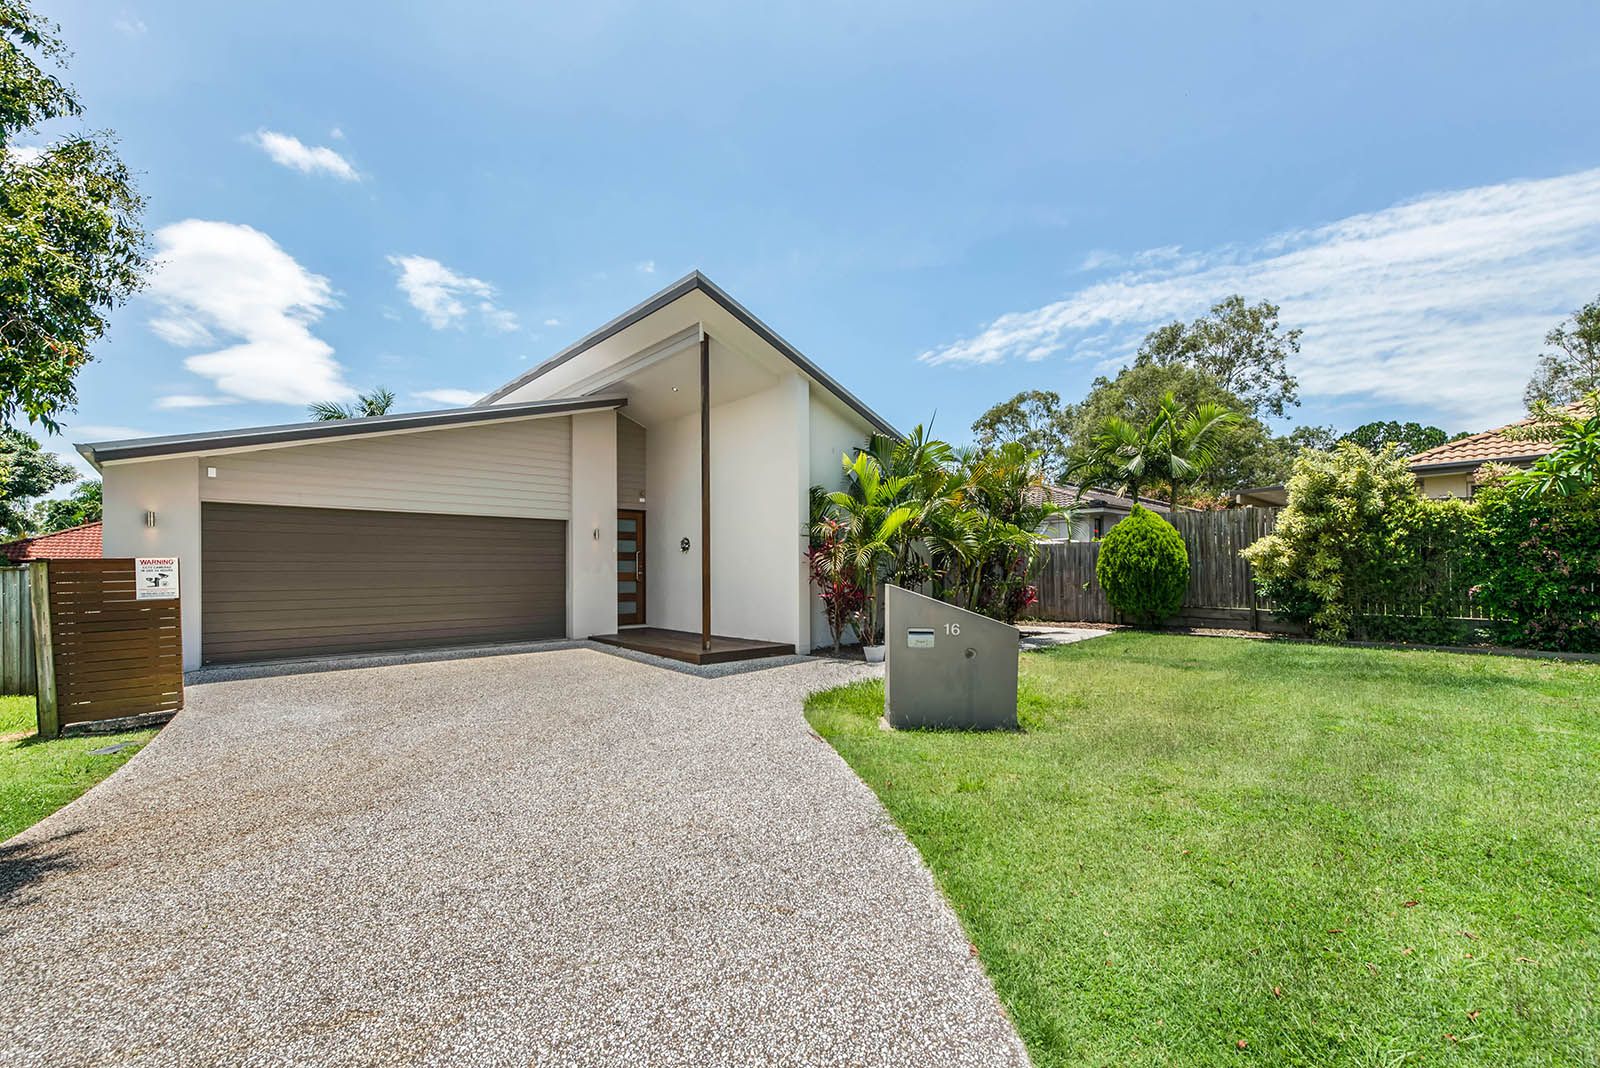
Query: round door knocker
x=684, y=545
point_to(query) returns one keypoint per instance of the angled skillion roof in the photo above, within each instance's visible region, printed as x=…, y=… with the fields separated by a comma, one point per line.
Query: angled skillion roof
x=100, y=452
x=681, y=288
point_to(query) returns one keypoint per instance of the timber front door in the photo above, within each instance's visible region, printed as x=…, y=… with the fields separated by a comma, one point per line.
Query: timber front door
x=630, y=568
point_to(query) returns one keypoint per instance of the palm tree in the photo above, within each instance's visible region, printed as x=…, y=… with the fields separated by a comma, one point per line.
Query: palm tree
x=869, y=517
x=378, y=402
x=1176, y=446
x=1189, y=441
x=1123, y=455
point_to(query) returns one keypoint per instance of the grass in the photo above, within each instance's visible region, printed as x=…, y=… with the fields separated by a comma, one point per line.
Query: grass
x=1205, y=851
x=39, y=776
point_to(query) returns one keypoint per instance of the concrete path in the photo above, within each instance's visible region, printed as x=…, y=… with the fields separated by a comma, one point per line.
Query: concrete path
x=559, y=857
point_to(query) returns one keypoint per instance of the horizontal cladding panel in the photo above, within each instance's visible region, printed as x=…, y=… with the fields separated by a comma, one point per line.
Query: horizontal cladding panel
x=283, y=581
x=521, y=469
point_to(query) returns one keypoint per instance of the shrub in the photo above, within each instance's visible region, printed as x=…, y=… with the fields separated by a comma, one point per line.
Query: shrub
x=1143, y=567
x=1537, y=565
x=1359, y=552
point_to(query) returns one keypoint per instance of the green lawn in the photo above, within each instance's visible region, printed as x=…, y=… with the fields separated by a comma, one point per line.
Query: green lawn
x=37, y=777
x=1331, y=855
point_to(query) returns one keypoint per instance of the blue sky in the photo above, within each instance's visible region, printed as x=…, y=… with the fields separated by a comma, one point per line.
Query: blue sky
x=941, y=204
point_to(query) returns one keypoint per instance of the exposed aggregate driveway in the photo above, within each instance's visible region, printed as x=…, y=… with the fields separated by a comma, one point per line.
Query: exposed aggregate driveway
x=555, y=857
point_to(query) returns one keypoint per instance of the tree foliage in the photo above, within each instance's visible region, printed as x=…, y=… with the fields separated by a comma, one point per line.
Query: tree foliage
x=917, y=512
x=1536, y=565
x=1176, y=446
x=26, y=472
x=1036, y=420
x=1251, y=455
x=1570, y=368
x=378, y=402
x=1241, y=346
x=82, y=505
x=1408, y=438
x=72, y=247
x=1357, y=538
x=1143, y=567
x=1572, y=466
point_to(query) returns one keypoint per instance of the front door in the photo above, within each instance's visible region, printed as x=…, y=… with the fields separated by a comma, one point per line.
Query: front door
x=630, y=568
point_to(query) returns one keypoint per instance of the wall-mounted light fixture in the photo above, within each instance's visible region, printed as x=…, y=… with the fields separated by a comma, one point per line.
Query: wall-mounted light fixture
x=211, y=472
x=596, y=533
x=149, y=519
x=641, y=498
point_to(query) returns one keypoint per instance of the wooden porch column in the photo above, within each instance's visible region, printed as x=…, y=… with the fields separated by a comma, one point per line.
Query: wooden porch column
x=705, y=490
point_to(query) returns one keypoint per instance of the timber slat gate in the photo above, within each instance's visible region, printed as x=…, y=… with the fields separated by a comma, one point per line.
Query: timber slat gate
x=17, y=674
x=109, y=655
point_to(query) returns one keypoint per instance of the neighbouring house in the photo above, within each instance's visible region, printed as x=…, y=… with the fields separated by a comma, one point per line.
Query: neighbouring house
x=1095, y=511
x=1443, y=471
x=648, y=485
x=74, y=543
x=1447, y=470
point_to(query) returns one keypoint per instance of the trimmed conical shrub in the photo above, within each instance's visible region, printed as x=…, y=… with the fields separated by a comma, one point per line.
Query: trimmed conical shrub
x=1143, y=567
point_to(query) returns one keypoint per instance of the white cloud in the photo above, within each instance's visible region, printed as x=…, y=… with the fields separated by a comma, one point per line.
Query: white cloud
x=131, y=25
x=450, y=398
x=27, y=155
x=293, y=153
x=220, y=282
x=95, y=432
x=336, y=133
x=647, y=267
x=552, y=322
x=441, y=294
x=1442, y=300
x=191, y=400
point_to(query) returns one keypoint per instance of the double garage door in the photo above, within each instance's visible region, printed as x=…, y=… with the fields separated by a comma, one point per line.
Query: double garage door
x=283, y=582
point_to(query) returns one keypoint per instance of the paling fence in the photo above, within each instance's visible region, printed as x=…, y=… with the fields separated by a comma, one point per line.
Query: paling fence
x=17, y=675
x=1222, y=590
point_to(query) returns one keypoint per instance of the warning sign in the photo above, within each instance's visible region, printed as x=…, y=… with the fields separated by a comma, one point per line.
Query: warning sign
x=155, y=578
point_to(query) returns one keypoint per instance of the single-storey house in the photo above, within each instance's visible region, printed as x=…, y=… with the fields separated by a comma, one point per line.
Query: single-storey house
x=1094, y=511
x=81, y=542
x=1447, y=470
x=647, y=485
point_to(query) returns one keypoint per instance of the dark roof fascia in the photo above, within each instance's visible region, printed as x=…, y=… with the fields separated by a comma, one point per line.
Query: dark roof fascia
x=681, y=288
x=100, y=452
x=1451, y=466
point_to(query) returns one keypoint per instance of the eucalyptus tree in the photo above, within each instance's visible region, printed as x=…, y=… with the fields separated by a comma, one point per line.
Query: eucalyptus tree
x=72, y=247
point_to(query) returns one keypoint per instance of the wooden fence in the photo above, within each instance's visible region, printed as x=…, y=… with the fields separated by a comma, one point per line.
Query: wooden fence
x=102, y=652
x=1221, y=592
x=17, y=675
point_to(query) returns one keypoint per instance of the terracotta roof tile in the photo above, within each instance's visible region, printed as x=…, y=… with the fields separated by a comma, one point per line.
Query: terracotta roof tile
x=74, y=543
x=1481, y=448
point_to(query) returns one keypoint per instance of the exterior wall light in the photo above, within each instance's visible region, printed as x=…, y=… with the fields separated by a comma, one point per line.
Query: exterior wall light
x=150, y=519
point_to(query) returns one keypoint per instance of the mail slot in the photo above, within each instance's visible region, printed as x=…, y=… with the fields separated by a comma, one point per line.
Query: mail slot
x=946, y=666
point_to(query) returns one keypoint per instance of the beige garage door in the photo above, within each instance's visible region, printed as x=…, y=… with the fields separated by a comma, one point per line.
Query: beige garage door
x=280, y=582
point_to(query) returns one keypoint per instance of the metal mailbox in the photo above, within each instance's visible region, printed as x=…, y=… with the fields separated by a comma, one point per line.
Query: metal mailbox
x=946, y=666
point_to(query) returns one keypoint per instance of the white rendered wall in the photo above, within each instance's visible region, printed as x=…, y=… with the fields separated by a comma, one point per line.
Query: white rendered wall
x=592, y=529
x=171, y=489
x=758, y=450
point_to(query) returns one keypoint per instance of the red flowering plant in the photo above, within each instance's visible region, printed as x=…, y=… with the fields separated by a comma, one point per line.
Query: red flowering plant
x=833, y=573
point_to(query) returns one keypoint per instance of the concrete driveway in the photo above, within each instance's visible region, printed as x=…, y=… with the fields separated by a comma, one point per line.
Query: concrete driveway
x=555, y=857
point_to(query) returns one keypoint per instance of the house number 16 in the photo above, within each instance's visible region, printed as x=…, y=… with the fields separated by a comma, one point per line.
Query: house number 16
x=952, y=629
